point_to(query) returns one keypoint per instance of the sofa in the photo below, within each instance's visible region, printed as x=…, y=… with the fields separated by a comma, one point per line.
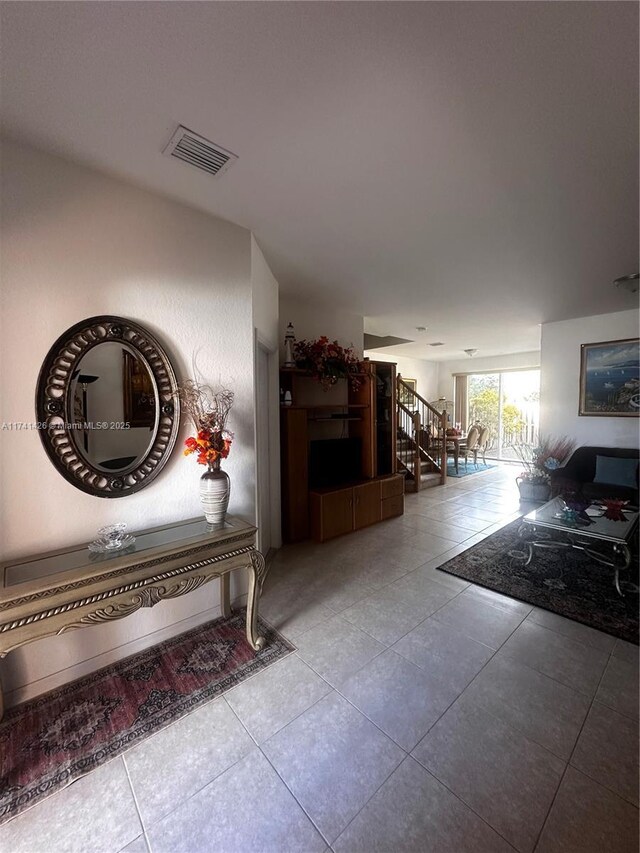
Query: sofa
x=594, y=472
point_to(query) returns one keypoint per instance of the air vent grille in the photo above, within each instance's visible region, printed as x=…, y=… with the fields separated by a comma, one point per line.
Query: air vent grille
x=199, y=152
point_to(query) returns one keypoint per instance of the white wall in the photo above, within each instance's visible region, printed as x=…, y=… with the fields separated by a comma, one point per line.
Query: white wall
x=265, y=321
x=77, y=243
x=513, y=361
x=311, y=320
x=559, y=392
x=424, y=372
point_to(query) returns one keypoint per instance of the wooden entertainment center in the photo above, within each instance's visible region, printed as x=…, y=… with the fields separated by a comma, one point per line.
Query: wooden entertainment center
x=338, y=453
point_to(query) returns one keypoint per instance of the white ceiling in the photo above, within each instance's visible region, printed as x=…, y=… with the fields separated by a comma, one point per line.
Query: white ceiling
x=469, y=167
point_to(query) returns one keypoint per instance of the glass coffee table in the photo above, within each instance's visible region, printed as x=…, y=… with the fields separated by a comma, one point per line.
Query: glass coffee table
x=603, y=539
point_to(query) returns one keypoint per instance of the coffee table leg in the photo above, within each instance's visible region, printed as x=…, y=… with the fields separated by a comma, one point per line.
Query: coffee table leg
x=256, y=577
x=624, y=551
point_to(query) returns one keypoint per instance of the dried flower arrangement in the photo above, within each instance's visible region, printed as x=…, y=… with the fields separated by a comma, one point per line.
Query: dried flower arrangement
x=328, y=362
x=209, y=412
x=548, y=455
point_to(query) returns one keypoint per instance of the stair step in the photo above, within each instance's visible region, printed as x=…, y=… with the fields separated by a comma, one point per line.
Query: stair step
x=428, y=481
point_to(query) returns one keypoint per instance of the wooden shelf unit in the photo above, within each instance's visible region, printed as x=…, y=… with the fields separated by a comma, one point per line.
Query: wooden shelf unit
x=367, y=413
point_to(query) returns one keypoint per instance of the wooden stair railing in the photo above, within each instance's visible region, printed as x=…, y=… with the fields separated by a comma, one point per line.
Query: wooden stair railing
x=422, y=428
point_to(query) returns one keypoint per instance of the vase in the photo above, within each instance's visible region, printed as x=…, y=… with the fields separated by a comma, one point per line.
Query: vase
x=215, y=488
x=536, y=492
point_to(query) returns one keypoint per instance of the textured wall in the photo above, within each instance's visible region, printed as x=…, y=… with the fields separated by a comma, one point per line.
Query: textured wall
x=77, y=243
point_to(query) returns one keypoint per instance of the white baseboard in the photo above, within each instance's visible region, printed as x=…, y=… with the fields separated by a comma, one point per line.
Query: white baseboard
x=85, y=667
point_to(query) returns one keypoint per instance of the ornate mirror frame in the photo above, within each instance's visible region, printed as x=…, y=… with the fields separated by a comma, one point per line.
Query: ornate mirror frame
x=52, y=406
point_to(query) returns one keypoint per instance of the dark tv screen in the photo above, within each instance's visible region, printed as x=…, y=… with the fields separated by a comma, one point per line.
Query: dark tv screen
x=334, y=461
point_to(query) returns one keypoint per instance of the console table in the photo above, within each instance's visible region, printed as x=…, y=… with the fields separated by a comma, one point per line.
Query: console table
x=48, y=594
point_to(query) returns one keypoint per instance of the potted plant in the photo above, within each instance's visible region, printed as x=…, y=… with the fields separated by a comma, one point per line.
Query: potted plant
x=211, y=444
x=327, y=361
x=534, y=483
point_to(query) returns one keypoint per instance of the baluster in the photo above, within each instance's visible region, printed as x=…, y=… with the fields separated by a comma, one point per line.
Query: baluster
x=416, y=456
x=443, y=461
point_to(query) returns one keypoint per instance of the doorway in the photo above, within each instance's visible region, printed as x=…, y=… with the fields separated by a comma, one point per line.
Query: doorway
x=508, y=402
x=263, y=445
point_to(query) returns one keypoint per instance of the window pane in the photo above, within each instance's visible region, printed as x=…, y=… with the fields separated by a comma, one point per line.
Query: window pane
x=484, y=405
x=508, y=403
x=520, y=410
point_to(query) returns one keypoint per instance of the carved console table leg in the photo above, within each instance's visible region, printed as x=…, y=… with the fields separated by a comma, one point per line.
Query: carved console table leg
x=256, y=577
x=225, y=603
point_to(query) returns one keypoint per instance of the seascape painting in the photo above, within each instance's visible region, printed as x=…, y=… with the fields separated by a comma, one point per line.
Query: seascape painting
x=610, y=379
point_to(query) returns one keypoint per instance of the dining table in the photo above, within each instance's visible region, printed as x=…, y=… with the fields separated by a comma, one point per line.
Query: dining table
x=454, y=443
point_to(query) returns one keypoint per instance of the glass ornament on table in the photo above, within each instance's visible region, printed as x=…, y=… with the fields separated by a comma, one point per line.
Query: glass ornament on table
x=111, y=538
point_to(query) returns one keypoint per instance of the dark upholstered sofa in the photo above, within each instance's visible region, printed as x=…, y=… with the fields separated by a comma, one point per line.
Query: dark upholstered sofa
x=579, y=473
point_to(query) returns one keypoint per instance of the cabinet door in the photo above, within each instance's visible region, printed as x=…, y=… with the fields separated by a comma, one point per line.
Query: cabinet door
x=363, y=429
x=294, y=474
x=366, y=504
x=392, y=507
x=331, y=514
x=385, y=417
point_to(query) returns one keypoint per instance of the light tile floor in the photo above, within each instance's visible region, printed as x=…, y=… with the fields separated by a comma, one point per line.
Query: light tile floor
x=419, y=713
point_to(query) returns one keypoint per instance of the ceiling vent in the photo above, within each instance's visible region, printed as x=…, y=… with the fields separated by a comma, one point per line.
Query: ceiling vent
x=437, y=344
x=199, y=152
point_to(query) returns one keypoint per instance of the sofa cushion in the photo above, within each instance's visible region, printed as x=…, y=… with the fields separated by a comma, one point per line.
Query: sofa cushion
x=616, y=471
x=602, y=491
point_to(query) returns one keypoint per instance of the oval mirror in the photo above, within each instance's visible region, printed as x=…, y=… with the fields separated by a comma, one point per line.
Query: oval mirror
x=107, y=406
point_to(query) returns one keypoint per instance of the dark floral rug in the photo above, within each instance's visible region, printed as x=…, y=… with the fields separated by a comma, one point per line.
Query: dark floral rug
x=565, y=581
x=51, y=741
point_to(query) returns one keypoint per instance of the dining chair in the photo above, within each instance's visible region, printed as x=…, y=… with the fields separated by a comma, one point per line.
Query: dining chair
x=470, y=446
x=483, y=443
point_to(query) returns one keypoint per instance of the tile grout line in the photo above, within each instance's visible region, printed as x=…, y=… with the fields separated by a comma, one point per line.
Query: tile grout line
x=304, y=811
x=467, y=686
x=135, y=802
x=183, y=802
x=221, y=697
x=374, y=724
x=409, y=754
x=267, y=759
x=282, y=728
x=568, y=762
x=593, y=701
x=457, y=594
x=387, y=647
x=313, y=704
x=432, y=773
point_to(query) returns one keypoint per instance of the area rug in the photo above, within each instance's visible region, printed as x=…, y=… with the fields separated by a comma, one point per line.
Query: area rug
x=51, y=741
x=471, y=469
x=567, y=582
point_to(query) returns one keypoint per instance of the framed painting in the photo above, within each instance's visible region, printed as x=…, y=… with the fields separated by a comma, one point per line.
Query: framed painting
x=610, y=379
x=403, y=395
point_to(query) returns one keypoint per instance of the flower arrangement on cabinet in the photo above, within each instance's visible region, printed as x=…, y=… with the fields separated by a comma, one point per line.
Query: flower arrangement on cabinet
x=209, y=412
x=539, y=461
x=327, y=361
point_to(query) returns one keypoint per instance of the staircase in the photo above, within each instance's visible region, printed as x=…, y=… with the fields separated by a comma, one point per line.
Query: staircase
x=421, y=445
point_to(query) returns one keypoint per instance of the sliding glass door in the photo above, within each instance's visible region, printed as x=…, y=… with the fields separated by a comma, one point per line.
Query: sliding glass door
x=508, y=403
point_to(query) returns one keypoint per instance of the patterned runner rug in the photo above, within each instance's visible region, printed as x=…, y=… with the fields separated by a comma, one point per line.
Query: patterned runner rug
x=567, y=582
x=50, y=741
